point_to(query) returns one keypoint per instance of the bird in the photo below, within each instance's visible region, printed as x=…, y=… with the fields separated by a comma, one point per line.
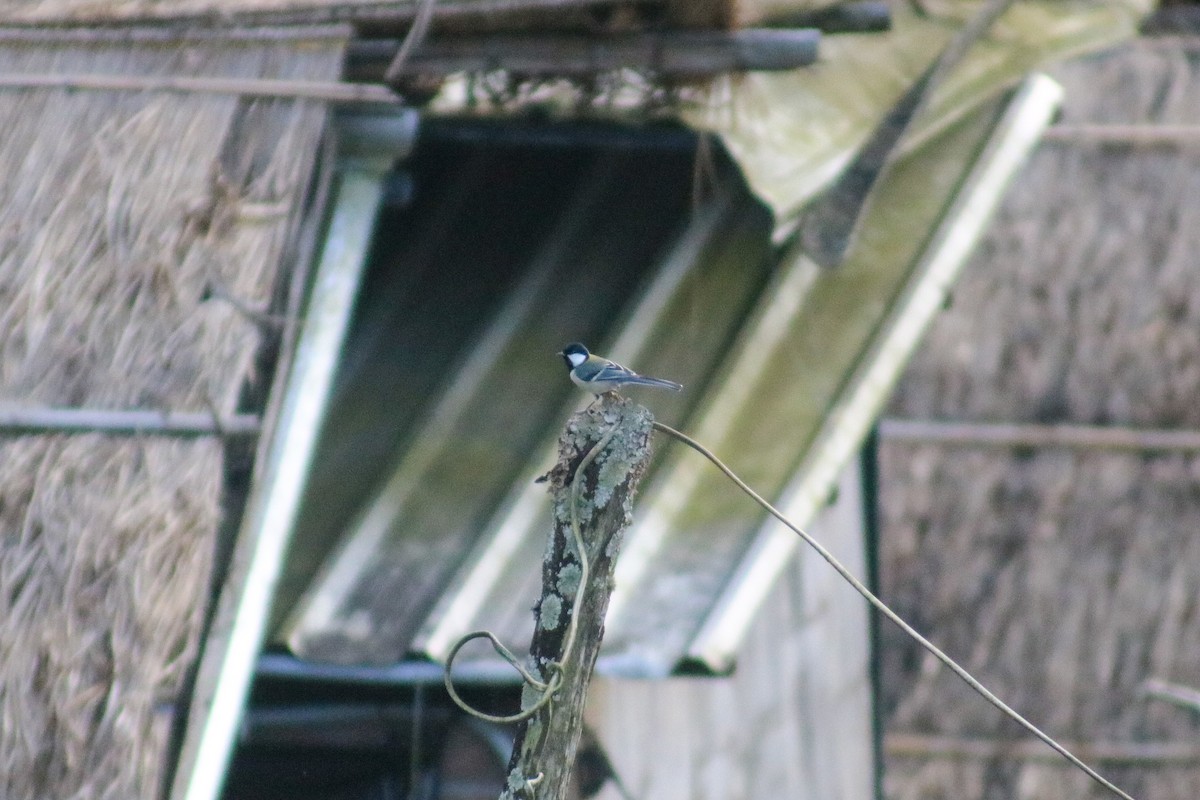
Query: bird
x=599, y=375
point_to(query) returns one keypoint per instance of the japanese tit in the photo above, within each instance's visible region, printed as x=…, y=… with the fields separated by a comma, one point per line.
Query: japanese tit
x=599, y=375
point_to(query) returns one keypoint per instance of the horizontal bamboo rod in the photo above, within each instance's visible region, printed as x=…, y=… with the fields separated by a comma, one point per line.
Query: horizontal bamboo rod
x=1141, y=134
x=912, y=745
x=27, y=421
x=157, y=34
x=1015, y=434
x=1182, y=696
x=330, y=91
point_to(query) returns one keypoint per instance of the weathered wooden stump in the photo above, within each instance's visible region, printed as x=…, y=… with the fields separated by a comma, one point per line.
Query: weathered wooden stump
x=610, y=441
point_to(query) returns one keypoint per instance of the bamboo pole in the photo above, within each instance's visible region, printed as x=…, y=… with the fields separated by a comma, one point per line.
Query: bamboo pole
x=1015, y=434
x=1134, y=135
x=34, y=421
x=1182, y=696
x=331, y=91
x=912, y=745
x=158, y=34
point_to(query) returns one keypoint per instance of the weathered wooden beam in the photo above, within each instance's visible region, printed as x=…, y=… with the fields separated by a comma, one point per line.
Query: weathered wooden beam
x=857, y=16
x=679, y=54
x=382, y=16
x=605, y=450
x=1016, y=434
x=34, y=421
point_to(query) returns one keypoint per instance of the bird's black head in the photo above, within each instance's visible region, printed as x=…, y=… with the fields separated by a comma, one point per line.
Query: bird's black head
x=574, y=354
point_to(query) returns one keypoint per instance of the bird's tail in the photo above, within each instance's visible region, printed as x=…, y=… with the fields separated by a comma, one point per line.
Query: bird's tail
x=659, y=382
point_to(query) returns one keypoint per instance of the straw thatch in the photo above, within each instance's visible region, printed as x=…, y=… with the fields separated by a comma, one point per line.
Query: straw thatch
x=1063, y=579
x=126, y=220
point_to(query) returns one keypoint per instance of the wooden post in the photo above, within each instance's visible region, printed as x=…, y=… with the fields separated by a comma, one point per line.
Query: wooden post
x=611, y=442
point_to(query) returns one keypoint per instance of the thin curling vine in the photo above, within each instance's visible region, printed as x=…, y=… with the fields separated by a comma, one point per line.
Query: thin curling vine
x=892, y=615
x=551, y=685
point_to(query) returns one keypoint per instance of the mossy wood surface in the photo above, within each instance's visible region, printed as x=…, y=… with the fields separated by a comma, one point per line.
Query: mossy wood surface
x=545, y=747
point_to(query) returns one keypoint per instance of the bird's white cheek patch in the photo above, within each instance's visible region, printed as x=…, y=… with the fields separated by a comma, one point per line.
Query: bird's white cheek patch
x=576, y=359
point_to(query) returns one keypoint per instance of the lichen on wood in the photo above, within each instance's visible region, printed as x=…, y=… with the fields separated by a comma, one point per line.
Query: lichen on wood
x=603, y=507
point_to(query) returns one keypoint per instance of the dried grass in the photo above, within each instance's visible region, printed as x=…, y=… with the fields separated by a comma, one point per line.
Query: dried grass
x=1061, y=579
x=121, y=213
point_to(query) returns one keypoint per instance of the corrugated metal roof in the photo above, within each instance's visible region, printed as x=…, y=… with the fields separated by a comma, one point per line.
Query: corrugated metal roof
x=452, y=395
x=422, y=522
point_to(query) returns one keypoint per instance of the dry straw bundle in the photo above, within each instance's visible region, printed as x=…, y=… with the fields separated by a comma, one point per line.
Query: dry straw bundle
x=1063, y=579
x=128, y=221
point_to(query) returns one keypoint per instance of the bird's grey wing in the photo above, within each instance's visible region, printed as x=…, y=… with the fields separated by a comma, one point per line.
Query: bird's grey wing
x=612, y=371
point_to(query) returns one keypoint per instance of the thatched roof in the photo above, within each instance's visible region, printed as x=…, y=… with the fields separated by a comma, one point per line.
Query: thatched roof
x=1063, y=579
x=127, y=219
x=139, y=230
